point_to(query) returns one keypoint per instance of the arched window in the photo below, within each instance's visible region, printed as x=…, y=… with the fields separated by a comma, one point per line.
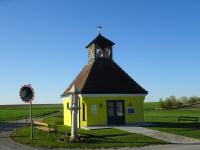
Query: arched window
x=67, y=105
x=83, y=112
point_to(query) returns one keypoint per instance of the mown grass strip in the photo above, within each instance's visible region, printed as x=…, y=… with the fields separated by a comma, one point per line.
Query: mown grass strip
x=104, y=138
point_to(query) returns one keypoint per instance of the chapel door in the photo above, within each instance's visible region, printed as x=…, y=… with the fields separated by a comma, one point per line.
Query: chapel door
x=115, y=112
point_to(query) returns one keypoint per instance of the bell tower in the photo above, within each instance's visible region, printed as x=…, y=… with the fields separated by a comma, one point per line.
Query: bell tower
x=100, y=49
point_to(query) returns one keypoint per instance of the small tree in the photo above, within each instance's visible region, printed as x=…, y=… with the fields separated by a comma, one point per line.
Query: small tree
x=162, y=103
x=193, y=100
x=168, y=103
x=173, y=100
x=179, y=103
x=184, y=100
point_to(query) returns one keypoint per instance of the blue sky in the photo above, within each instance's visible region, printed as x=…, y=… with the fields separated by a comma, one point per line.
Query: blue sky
x=42, y=42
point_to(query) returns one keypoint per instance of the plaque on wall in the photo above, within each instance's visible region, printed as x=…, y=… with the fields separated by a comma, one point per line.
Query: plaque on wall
x=94, y=109
x=131, y=110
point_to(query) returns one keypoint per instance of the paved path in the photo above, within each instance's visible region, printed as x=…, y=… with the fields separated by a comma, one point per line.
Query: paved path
x=5, y=142
x=5, y=130
x=166, y=147
x=171, y=138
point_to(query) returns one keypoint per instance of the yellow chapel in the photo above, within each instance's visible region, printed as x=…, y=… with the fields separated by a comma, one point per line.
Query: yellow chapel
x=108, y=95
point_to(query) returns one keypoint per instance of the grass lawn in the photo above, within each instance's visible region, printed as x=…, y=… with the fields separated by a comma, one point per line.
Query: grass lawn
x=166, y=120
x=15, y=112
x=104, y=138
x=57, y=119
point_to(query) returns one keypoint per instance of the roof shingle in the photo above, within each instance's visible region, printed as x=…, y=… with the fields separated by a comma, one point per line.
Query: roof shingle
x=105, y=77
x=101, y=40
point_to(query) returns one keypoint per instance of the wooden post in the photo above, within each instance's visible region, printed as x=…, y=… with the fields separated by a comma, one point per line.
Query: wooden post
x=31, y=121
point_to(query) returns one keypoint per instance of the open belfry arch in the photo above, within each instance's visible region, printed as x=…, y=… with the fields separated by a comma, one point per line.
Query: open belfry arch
x=100, y=48
x=108, y=95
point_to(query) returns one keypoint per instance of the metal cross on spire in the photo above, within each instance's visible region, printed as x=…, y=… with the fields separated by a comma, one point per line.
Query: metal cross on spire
x=99, y=28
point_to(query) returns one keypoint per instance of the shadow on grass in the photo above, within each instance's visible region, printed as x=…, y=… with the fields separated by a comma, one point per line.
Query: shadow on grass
x=91, y=136
x=88, y=138
x=104, y=136
x=11, y=126
x=195, y=126
x=21, y=136
x=118, y=142
x=112, y=138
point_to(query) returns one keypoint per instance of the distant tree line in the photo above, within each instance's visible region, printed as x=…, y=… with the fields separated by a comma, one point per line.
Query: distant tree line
x=174, y=102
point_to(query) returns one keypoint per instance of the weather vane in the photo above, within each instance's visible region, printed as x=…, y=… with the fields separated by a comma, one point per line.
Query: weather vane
x=99, y=28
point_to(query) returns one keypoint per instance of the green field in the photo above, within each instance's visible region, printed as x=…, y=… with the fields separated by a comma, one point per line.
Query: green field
x=169, y=115
x=151, y=105
x=15, y=112
x=166, y=120
x=153, y=113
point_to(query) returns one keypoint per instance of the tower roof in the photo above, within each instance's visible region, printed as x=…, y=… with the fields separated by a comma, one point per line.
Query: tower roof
x=101, y=40
x=103, y=77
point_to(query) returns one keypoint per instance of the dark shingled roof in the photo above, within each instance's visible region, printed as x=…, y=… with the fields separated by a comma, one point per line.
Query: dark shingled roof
x=105, y=77
x=101, y=40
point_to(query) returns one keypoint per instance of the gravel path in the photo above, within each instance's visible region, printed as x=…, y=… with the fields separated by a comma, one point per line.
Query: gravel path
x=168, y=137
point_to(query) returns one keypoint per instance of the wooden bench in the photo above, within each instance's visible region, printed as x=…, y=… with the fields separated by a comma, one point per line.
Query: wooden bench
x=45, y=126
x=183, y=118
